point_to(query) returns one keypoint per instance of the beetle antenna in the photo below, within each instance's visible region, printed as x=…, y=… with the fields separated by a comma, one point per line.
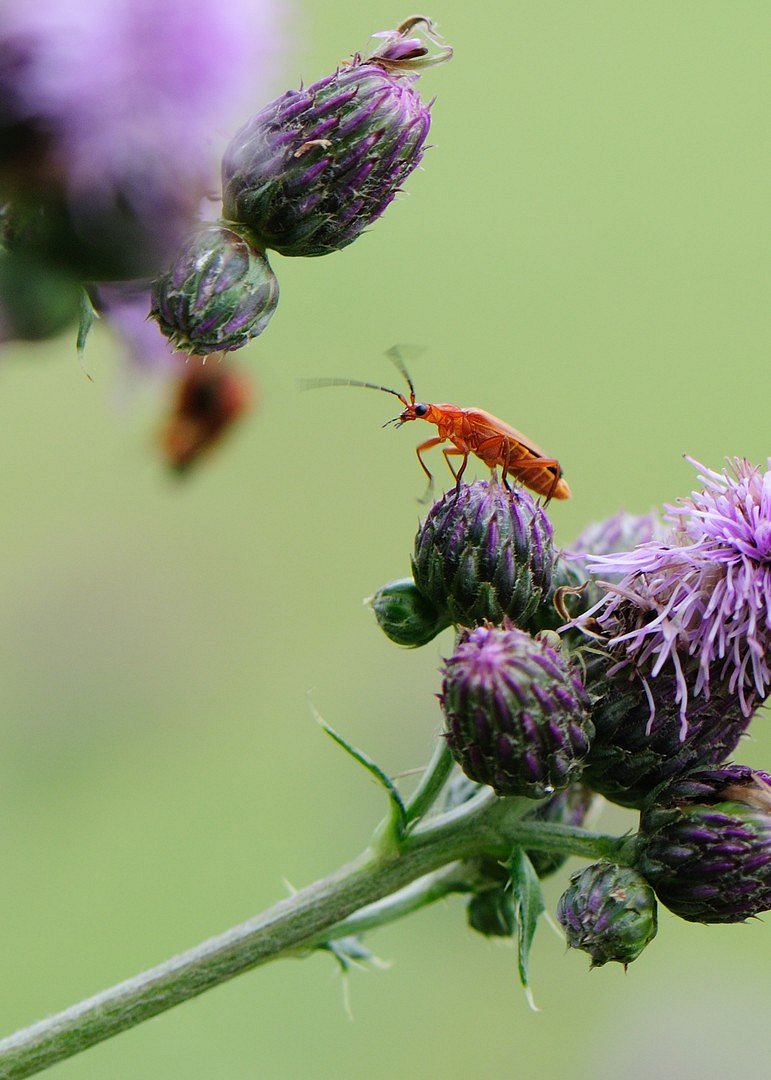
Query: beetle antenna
x=395, y=356
x=315, y=384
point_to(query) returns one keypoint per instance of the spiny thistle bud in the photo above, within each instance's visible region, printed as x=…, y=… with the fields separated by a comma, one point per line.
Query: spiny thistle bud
x=485, y=553
x=609, y=911
x=218, y=295
x=568, y=807
x=516, y=713
x=317, y=166
x=709, y=860
x=639, y=742
x=209, y=399
x=405, y=616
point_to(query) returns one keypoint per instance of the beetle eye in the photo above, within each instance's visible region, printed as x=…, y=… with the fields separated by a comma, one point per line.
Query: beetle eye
x=421, y=410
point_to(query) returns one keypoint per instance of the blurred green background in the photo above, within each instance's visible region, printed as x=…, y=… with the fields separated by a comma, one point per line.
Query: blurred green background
x=585, y=254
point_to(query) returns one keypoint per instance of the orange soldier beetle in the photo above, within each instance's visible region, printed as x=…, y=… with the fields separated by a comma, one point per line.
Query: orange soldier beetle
x=471, y=431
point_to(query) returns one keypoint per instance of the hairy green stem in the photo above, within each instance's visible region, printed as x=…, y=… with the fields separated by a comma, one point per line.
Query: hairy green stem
x=484, y=825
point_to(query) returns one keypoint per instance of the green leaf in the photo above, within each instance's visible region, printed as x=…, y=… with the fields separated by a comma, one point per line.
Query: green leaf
x=397, y=807
x=529, y=905
x=87, y=315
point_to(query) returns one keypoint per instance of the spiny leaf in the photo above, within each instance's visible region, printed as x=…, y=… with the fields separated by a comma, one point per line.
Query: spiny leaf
x=529, y=905
x=398, y=809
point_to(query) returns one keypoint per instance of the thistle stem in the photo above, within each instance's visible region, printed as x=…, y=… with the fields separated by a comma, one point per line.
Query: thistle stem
x=485, y=825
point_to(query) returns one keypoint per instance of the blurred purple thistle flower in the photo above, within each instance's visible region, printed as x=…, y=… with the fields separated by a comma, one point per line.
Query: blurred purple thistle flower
x=700, y=602
x=109, y=108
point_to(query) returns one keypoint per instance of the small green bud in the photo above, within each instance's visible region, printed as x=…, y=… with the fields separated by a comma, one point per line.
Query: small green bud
x=492, y=913
x=405, y=616
x=609, y=911
x=218, y=295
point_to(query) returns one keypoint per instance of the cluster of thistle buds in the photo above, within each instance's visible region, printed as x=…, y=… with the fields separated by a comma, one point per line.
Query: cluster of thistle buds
x=629, y=666
x=304, y=177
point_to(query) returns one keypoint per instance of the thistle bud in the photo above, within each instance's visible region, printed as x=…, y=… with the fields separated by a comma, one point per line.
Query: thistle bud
x=218, y=295
x=317, y=166
x=485, y=553
x=568, y=807
x=516, y=713
x=609, y=911
x=405, y=616
x=709, y=860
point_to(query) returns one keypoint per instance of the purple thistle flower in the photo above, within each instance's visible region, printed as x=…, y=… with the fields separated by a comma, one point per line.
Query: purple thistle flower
x=700, y=604
x=516, y=713
x=317, y=166
x=107, y=117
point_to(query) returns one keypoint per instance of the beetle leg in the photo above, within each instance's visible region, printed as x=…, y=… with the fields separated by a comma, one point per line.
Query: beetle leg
x=541, y=463
x=427, y=445
x=451, y=451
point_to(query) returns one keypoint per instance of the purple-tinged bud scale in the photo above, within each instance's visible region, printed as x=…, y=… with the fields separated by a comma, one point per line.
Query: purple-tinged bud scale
x=317, y=166
x=516, y=714
x=639, y=742
x=709, y=860
x=485, y=554
x=608, y=911
x=218, y=295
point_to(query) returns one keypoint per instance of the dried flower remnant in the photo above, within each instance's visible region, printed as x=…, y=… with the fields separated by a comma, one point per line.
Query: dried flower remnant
x=700, y=604
x=209, y=400
x=317, y=166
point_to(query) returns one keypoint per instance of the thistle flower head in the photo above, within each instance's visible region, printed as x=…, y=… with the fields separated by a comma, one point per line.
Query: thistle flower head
x=700, y=604
x=485, y=553
x=219, y=293
x=317, y=166
x=608, y=911
x=108, y=110
x=516, y=713
x=707, y=850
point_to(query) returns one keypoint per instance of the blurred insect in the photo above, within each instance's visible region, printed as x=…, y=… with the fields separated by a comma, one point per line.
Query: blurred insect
x=471, y=431
x=208, y=400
